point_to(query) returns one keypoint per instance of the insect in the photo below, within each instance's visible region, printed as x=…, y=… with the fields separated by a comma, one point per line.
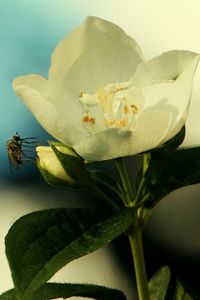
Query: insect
x=16, y=152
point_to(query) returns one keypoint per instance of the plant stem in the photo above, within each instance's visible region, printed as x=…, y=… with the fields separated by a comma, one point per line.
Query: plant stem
x=135, y=239
x=135, y=234
x=102, y=196
x=125, y=181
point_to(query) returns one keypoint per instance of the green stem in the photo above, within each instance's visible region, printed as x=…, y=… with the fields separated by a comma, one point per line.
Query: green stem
x=135, y=235
x=146, y=160
x=138, y=196
x=125, y=181
x=102, y=196
x=139, y=191
x=135, y=239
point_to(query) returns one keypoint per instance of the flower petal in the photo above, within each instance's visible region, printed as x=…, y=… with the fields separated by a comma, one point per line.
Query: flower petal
x=117, y=142
x=164, y=68
x=168, y=79
x=33, y=90
x=95, y=54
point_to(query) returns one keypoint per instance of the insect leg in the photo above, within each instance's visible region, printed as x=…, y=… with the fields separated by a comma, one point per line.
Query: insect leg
x=25, y=155
x=30, y=159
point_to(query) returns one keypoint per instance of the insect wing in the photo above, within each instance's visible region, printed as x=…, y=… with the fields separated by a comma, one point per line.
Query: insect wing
x=13, y=164
x=14, y=154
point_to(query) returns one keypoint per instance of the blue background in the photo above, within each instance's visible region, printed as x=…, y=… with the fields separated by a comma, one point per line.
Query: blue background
x=28, y=35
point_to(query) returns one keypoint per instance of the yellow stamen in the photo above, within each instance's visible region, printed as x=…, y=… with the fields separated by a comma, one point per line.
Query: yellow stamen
x=125, y=109
x=86, y=119
x=122, y=123
x=110, y=123
x=134, y=108
x=92, y=121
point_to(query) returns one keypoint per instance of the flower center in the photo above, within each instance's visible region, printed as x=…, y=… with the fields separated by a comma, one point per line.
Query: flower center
x=115, y=102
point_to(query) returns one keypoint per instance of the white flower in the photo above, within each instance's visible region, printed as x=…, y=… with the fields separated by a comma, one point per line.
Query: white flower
x=103, y=100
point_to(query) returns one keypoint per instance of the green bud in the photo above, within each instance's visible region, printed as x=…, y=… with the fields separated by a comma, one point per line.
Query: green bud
x=61, y=166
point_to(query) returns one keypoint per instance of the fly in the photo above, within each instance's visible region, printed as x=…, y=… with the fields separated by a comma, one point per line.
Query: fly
x=16, y=152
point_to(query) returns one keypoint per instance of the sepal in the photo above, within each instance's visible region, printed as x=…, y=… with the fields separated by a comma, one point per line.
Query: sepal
x=61, y=166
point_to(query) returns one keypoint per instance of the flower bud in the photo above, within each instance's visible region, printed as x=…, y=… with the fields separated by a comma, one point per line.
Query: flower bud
x=61, y=166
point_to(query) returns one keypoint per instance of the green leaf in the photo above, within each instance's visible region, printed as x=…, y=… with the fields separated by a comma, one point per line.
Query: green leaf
x=158, y=284
x=180, y=293
x=62, y=290
x=9, y=295
x=170, y=171
x=41, y=243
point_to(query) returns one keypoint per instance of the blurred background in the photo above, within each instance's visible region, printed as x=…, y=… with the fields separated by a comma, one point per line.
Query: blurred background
x=29, y=31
